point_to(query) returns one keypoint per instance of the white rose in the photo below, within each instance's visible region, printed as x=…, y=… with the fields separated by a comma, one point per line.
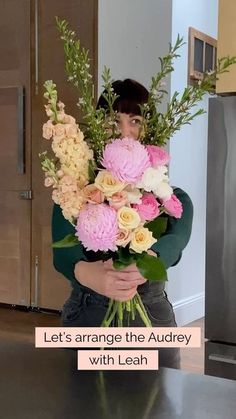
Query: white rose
x=163, y=190
x=152, y=178
x=134, y=195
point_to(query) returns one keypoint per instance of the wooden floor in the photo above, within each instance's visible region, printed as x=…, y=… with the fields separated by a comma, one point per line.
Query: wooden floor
x=20, y=325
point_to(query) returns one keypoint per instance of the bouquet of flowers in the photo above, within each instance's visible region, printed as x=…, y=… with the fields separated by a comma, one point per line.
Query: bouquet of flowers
x=115, y=191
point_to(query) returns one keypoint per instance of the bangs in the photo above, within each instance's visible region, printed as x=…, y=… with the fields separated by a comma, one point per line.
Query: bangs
x=131, y=95
x=127, y=106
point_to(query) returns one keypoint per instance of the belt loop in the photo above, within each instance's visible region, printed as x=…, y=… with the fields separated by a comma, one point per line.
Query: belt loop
x=85, y=298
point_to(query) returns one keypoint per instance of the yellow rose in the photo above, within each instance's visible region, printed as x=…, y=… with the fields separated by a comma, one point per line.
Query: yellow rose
x=108, y=184
x=128, y=218
x=141, y=240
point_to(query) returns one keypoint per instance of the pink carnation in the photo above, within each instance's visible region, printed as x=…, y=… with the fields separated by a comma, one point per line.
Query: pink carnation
x=126, y=159
x=157, y=155
x=173, y=206
x=149, y=207
x=97, y=227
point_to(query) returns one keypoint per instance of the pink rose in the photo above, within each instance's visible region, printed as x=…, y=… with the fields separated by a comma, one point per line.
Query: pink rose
x=157, y=155
x=93, y=194
x=149, y=207
x=118, y=200
x=173, y=206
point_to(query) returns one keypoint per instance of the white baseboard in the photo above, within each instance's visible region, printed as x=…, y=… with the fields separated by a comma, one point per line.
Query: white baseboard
x=189, y=309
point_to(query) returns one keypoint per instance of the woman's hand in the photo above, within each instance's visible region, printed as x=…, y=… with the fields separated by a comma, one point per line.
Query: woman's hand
x=101, y=277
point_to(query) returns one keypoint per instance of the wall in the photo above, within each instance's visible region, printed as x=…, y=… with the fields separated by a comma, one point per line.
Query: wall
x=132, y=35
x=188, y=149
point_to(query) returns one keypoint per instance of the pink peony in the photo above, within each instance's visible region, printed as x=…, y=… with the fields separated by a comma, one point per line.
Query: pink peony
x=157, y=155
x=126, y=159
x=149, y=207
x=97, y=227
x=173, y=206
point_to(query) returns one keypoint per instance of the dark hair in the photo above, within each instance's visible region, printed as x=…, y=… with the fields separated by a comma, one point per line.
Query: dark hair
x=130, y=93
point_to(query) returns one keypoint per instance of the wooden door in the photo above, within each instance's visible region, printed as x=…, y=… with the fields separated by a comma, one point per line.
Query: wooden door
x=49, y=288
x=15, y=167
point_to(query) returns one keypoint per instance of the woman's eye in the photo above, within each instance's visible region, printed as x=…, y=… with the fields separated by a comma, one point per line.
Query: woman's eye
x=136, y=121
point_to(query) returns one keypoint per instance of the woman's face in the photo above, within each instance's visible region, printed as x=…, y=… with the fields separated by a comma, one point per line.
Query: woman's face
x=129, y=125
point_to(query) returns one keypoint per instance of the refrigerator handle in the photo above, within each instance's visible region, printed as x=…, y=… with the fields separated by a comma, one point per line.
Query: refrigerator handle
x=222, y=358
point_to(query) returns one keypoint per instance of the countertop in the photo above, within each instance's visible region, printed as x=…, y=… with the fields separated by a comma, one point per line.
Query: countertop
x=45, y=384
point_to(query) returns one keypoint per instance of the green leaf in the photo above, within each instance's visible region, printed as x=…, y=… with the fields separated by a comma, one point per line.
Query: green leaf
x=151, y=267
x=117, y=264
x=157, y=226
x=125, y=256
x=69, y=241
x=91, y=171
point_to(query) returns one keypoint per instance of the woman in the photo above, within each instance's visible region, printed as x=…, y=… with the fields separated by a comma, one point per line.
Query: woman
x=94, y=281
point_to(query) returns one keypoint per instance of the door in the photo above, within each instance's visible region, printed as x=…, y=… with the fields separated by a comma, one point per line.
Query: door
x=31, y=52
x=49, y=288
x=15, y=166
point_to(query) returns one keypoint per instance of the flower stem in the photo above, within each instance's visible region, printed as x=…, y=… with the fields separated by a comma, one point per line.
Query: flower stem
x=107, y=313
x=142, y=311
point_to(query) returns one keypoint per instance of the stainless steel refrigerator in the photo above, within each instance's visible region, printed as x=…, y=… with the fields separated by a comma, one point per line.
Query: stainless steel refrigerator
x=220, y=297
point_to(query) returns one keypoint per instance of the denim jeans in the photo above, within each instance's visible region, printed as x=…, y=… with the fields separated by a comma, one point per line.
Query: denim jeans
x=86, y=308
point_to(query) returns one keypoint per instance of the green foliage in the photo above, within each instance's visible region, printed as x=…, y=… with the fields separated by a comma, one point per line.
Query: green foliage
x=158, y=127
x=77, y=65
x=68, y=241
x=49, y=166
x=151, y=267
x=51, y=96
x=157, y=226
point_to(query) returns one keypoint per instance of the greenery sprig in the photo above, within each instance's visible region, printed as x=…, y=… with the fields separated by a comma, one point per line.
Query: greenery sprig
x=158, y=127
x=77, y=65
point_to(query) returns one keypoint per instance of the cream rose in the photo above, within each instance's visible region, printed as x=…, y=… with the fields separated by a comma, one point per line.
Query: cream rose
x=141, y=240
x=108, y=184
x=128, y=218
x=124, y=237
